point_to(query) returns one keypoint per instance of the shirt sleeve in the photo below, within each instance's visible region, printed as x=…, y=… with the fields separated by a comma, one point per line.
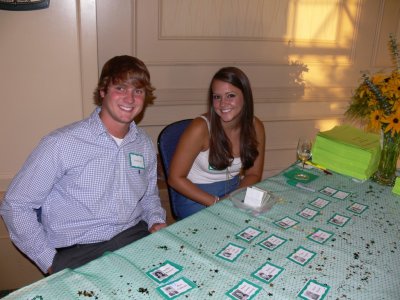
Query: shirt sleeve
x=25, y=195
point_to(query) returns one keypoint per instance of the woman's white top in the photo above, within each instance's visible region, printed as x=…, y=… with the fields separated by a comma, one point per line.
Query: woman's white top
x=201, y=172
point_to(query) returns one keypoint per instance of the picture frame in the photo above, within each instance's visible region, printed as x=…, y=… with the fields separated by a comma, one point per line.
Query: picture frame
x=23, y=5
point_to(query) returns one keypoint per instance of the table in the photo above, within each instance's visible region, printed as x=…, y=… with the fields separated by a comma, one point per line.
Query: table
x=349, y=250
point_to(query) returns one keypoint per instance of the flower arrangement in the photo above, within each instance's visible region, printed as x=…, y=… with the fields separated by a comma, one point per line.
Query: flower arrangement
x=376, y=103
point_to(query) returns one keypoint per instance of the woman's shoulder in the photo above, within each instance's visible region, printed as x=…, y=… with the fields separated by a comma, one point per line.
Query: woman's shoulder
x=197, y=128
x=196, y=133
x=258, y=124
x=200, y=123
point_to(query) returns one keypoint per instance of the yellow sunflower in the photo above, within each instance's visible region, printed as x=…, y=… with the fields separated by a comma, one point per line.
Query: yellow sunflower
x=375, y=120
x=378, y=78
x=391, y=87
x=396, y=105
x=393, y=122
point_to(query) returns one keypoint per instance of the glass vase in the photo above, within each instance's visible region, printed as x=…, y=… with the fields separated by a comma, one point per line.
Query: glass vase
x=386, y=173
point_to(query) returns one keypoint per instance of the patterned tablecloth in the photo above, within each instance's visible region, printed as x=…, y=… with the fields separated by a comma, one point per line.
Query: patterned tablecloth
x=340, y=241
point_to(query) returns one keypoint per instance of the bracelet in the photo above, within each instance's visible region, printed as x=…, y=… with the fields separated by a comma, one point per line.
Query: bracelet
x=216, y=199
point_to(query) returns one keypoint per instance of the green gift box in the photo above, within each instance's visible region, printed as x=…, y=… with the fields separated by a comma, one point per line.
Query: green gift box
x=348, y=150
x=396, y=188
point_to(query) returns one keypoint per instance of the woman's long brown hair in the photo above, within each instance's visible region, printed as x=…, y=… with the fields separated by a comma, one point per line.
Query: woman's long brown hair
x=220, y=147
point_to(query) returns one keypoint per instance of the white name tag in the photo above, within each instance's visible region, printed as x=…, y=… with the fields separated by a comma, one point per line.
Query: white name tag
x=136, y=160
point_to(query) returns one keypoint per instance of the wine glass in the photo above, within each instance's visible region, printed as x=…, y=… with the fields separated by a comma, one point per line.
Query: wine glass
x=303, y=153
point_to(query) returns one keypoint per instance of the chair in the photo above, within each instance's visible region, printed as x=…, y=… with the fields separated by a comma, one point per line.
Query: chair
x=167, y=142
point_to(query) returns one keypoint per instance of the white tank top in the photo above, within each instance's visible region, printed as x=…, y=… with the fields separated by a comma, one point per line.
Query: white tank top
x=201, y=172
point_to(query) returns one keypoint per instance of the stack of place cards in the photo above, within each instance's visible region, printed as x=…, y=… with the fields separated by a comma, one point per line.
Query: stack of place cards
x=256, y=197
x=347, y=150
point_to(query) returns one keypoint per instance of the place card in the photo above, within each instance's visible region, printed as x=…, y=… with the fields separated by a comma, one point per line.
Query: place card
x=339, y=220
x=319, y=202
x=308, y=213
x=301, y=256
x=164, y=272
x=341, y=195
x=329, y=191
x=267, y=272
x=176, y=288
x=248, y=234
x=255, y=197
x=332, y=192
x=286, y=222
x=314, y=290
x=357, y=208
x=244, y=290
x=272, y=242
x=320, y=236
x=231, y=252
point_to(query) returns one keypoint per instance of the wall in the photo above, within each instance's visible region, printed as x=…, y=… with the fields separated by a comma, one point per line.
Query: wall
x=303, y=57
x=43, y=76
x=48, y=64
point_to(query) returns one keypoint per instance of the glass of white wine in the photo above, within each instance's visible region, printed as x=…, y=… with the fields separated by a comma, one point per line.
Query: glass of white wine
x=303, y=153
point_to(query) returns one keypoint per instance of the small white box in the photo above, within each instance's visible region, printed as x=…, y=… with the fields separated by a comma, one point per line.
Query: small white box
x=255, y=197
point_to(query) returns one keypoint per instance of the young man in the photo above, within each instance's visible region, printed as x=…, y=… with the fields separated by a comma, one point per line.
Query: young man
x=94, y=181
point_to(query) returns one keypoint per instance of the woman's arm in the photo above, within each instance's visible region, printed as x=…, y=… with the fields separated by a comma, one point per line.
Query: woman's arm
x=193, y=140
x=254, y=174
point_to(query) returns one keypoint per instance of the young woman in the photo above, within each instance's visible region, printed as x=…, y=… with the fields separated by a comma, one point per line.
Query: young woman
x=223, y=149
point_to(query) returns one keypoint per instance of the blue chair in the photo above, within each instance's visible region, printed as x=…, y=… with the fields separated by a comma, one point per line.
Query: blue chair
x=167, y=142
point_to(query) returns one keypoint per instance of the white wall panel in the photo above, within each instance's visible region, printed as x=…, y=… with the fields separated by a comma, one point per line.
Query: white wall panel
x=303, y=57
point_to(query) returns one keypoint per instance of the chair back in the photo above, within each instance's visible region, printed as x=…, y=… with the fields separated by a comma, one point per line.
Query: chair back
x=167, y=141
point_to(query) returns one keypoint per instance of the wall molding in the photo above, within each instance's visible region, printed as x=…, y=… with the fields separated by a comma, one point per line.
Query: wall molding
x=193, y=96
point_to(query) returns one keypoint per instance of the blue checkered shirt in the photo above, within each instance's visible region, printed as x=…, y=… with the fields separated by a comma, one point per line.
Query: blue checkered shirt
x=89, y=189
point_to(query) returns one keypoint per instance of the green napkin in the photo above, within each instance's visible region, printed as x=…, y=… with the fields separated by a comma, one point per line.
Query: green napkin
x=396, y=188
x=292, y=175
x=347, y=150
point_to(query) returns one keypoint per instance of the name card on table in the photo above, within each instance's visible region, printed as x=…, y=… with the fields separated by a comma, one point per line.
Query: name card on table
x=256, y=197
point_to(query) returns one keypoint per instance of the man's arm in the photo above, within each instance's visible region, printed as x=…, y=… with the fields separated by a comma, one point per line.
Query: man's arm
x=26, y=193
x=154, y=213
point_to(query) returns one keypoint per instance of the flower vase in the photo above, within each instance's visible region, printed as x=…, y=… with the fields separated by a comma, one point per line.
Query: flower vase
x=386, y=173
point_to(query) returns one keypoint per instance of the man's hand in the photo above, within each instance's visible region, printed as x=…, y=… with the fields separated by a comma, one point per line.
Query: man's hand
x=157, y=226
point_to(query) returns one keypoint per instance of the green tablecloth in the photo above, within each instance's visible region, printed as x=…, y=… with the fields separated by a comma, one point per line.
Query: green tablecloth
x=361, y=260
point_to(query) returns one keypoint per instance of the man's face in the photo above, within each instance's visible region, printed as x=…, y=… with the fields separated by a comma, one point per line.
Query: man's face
x=122, y=103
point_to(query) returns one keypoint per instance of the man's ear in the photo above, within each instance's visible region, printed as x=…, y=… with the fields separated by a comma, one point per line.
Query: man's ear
x=102, y=93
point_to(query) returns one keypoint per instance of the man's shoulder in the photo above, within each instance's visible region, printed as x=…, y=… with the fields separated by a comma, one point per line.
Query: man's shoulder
x=76, y=129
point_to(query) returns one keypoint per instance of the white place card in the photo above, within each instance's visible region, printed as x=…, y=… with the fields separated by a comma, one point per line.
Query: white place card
x=255, y=197
x=244, y=290
x=231, y=252
x=267, y=272
x=301, y=256
x=314, y=290
x=176, y=288
x=248, y=234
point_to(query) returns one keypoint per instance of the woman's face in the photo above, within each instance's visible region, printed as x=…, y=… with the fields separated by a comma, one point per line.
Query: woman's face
x=227, y=101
